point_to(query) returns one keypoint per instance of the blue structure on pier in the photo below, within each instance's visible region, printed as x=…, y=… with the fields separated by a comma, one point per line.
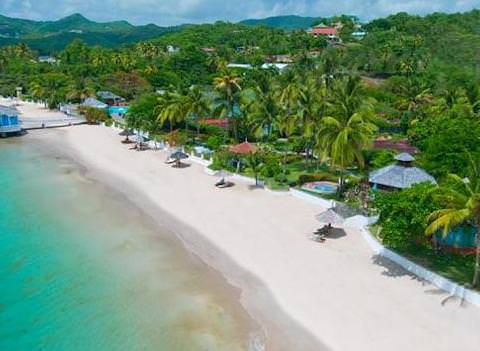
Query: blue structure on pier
x=9, y=122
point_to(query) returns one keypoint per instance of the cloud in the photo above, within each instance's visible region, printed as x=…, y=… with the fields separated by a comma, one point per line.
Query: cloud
x=168, y=12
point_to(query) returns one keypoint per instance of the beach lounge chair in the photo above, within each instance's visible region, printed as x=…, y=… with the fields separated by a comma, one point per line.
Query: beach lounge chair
x=220, y=182
x=325, y=230
x=321, y=238
x=226, y=185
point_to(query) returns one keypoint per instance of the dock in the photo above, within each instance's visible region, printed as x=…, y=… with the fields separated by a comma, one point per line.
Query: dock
x=40, y=123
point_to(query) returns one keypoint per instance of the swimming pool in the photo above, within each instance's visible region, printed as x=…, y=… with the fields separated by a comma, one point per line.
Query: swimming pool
x=321, y=187
x=117, y=110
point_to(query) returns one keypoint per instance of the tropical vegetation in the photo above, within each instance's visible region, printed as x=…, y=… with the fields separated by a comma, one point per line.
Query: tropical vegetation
x=411, y=81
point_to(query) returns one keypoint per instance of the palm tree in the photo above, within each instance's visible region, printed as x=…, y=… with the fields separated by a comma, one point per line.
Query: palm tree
x=264, y=112
x=172, y=106
x=288, y=99
x=414, y=93
x=37, y=90
x=229, y=86
x=461, y=201
x=349, y=128
x=215, y=63
x=196, y=105
x=255, y=163
x=308, y=112
x=79, y=91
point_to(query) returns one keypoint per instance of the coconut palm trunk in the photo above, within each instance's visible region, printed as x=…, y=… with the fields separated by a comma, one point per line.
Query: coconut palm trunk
x=477, y=255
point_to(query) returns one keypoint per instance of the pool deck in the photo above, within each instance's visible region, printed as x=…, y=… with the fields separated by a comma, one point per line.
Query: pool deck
x=310, y=187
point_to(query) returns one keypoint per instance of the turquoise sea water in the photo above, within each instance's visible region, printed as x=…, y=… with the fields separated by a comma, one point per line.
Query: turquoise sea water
x=81, y=269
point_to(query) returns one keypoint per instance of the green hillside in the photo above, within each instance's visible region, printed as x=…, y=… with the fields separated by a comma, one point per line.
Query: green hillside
x=284, y=22
x=52, y=36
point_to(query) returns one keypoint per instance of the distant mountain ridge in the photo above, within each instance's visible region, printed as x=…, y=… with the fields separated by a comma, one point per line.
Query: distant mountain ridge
x=50, y=36
x=291, y=22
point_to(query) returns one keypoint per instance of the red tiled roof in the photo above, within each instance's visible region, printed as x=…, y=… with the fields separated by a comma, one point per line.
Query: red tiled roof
x=324, y=31
x=222, y=123
x=401, y=145
x=244, y=148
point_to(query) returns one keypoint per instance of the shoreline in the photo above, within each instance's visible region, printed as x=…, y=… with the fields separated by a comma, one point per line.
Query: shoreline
x=333, y=306
x=247, y=290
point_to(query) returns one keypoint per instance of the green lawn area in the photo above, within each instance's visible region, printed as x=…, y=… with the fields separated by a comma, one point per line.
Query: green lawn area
x=450, y=265
x=455, y=267
x=293, y=170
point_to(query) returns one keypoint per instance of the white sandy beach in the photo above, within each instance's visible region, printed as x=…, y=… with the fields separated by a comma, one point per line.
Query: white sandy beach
x=36, y=115
x=32, y=110
x=338, y=291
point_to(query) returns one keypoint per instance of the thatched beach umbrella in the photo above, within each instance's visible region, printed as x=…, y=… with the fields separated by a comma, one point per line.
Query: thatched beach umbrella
x=244, y=148
x=330, y=217
x=178, y=156
x=126, y=133
x=223, y=174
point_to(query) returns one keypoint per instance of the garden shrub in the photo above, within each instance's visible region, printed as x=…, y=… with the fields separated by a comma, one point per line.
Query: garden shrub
x=403, y=215
x=380, y=158
x=214, y=142
x=272, y=166
x=221, y=160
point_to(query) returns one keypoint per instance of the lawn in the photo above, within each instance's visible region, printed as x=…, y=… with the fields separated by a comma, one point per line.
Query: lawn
x=455, y=267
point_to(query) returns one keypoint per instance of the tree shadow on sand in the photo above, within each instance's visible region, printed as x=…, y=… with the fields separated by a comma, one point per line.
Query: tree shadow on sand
x=392, y=269
x=396, y=271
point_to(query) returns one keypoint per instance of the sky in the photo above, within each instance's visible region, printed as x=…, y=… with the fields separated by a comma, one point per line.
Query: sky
x=171, y=12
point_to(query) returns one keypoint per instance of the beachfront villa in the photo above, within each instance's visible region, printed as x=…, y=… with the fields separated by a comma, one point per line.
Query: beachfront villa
x=92, y=102
x=399, y=176
x=9, y=122
x=110, y=98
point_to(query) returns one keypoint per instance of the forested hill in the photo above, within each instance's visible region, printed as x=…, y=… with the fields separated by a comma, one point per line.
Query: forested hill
x=52, y=36
x=284, y=22
x=450, y=38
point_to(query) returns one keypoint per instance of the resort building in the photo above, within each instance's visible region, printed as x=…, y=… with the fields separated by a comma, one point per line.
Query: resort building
x=404, y=145
x=92, y=102
x=9, y=122
x=401, y=175
x=172, y=49
x=221, y=123
x=280, y=58
x=280, y=66
x=110, y=98
x=47, y=59
x=240, y=65
x=209, y=51
x=324, y=31
x=359, y=34
x=69, y=109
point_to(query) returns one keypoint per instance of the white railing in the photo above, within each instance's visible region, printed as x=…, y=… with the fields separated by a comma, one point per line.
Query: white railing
x=443, y=283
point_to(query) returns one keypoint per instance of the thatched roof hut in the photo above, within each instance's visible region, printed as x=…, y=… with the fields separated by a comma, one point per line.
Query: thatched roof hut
x=401, y=175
